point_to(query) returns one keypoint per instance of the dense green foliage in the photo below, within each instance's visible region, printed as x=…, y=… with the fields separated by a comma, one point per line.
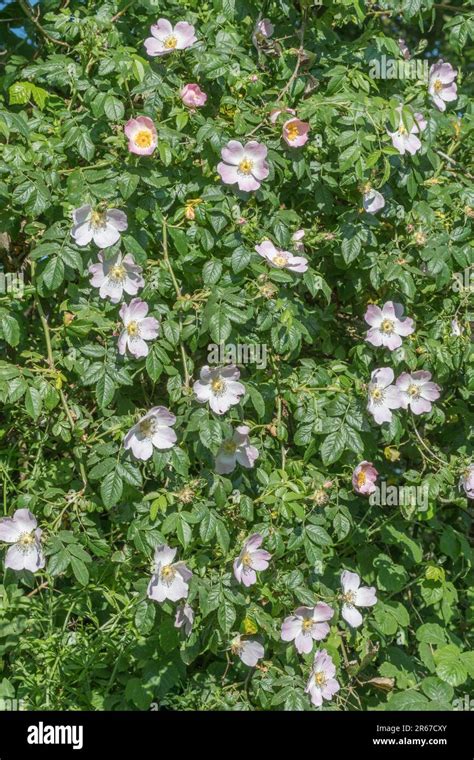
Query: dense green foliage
x=82, y=634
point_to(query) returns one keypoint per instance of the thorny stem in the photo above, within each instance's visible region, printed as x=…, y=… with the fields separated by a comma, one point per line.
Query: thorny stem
x=431, y=453
x=49, y=351
x=187, y=379
x=24, y=4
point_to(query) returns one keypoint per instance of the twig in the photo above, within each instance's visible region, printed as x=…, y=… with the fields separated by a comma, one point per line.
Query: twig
x=24, y=4
x=187, y=379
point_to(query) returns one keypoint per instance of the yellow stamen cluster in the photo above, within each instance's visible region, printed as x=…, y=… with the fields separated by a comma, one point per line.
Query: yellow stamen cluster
x=143, y=138
x=170, y=42
x=245, y=166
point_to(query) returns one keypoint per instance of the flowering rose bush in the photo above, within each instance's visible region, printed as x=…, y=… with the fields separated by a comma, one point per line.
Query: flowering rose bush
x=183, y=176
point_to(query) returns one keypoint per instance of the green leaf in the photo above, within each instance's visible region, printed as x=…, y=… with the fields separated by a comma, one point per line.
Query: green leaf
x=226, y=615
x=111, y=489
x=33, y=402
x=113, y=108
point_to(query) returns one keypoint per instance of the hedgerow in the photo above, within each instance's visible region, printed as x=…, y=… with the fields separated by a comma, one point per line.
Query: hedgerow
x=235, y=375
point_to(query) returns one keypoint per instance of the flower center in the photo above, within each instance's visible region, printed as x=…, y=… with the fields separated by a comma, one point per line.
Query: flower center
x=320, y=679
x=438, y=85
x=349, y=597
x=98, y=219
x=168, y=573
x=229, y=447
x=170, y=42
x=133, y=329
x=414, y=391
x=147, y=427
x=26, y=542
x=361, y=478
x=117, y=273
x=307, y=626
x=387, y=326
x=218, y=386
x=376, y=394
x=245, y=166
x=236, y=646
x=143, y=138
x=292, y=132
x=247, y=560
x=402, y=130
x=279, y=260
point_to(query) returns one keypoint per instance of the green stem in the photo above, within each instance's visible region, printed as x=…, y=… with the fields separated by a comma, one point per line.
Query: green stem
x=187, y=379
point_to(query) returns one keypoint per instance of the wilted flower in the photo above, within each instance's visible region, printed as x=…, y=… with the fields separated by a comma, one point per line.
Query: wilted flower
x=322, y=684
x=405, y=140
x=275, y=113
x=250, y=651
x=306, y=626
x=152, y=430
x=354, y=595
x=404, y=49
x=22, y=532
x=364, y=477
x=295, y=132
x=297, y=240
x=103, y=227
x=244, y=165
x=441, y=84
x=142, y=136
x=167, y=38
x=387, y=325
x=218, y=386
x=456, y=328
x=250, y=559
x=383, y=396
x=419, y=237
x=265, y=27
x=372, y=200
x=281, y=259
x=417, y=392
x=184, y=618
x=192, y=96
x=236, y=450
x=170, y=579
x=467, y=481
x=138, y=328
x=115, y=276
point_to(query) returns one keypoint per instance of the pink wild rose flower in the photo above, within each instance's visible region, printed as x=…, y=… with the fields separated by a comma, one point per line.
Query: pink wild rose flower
x=354, y=595
x=466, y=481
x=170, y=579
x=166, y=38
x=236, y=450
x=372, y=200
x=364, y=477
x=243, y=165
x=307, y=625
x=192, y=96
x=103, y=227
x=22, y=532
x=137, y=328
x=321, y=684
x=387, y=325
x=383, y=396
x=281, y=259
x=295, y=132
x=406, y=141
x=417, y=391
x=441, y=85
x=116, y=276
x=154, y=430
x=250, y=559
x=142, y=136
x=249, y=651
x=219, y=387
